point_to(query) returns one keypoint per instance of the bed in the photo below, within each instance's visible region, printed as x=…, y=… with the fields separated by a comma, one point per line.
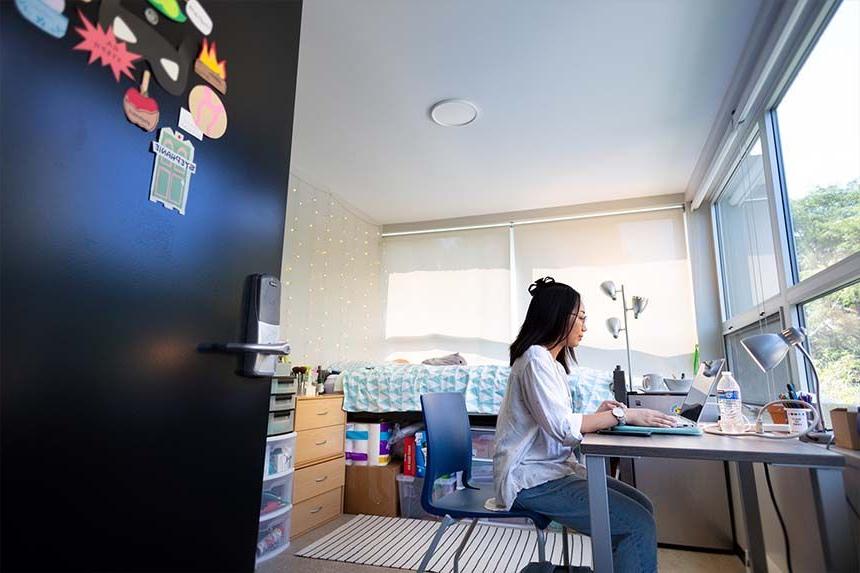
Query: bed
x=388, y=387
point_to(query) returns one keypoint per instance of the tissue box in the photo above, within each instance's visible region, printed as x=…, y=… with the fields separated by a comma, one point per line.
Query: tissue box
x=845, y=428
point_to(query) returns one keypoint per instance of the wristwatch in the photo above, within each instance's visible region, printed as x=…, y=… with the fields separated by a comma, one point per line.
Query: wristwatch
x=618, y=412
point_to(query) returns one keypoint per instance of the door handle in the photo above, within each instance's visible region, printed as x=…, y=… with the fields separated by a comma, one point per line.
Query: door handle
x=322, y=479
x=281, y=348
x=323, y=413
x=320, y=443
x=316, y=509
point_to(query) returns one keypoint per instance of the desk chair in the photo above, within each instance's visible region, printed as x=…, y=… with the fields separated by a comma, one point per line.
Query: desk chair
x=449, y=450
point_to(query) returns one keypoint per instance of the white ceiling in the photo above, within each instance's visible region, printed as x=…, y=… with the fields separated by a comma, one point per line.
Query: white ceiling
x=579, y=101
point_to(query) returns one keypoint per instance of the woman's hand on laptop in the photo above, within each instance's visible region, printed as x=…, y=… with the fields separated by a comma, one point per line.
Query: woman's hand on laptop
x=607, y=405
x=646, y=417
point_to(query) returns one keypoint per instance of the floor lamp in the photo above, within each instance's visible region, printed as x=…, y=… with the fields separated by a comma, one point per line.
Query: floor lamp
x=614, y=324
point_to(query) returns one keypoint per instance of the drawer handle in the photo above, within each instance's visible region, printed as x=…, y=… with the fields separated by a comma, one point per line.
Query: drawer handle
x=317, y=509
x=322, y=479
x=321, y=443
x=323, y=413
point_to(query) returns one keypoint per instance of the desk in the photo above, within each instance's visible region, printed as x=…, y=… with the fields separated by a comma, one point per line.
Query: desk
x=825, y=469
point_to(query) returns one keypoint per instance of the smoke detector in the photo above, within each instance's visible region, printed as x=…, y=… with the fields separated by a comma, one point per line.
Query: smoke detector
x=453, y=112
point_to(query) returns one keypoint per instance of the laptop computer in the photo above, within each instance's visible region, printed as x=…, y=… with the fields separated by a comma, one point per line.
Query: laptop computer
x=692, y=409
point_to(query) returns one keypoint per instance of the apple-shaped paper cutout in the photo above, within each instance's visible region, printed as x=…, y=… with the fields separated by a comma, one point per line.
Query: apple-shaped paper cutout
x=140, y=109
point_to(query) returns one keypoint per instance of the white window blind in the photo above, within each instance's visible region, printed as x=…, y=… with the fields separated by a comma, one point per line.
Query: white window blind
x=448, y=292
x=644, y=251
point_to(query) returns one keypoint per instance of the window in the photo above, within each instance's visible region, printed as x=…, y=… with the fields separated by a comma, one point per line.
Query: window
x=448, y=292
x=746, y=240
x=833, y=330
x=647, y=253
x=757, y=387
x=819, y=138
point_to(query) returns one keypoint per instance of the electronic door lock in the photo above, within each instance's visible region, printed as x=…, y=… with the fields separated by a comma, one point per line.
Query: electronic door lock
x=262, y=332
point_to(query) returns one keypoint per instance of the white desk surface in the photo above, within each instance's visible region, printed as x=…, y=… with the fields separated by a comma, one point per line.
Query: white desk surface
x=711, y=447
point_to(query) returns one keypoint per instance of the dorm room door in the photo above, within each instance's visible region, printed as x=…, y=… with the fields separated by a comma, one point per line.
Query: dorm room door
x=123, y=447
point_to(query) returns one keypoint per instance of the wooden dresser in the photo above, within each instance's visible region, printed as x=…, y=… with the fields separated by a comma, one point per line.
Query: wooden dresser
x=318, y=486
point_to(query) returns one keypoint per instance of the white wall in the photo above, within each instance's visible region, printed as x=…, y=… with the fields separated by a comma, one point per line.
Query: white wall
x=331, y=298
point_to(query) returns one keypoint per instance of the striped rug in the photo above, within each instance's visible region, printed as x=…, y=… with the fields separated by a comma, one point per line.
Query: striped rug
x=400, y=544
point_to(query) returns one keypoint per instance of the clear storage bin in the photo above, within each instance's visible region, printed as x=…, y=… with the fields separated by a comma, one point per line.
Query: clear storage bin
x=277, y=495
x=409, y=490
x=281, y=402
x=280, y=456
x=273, y=536
x=281, y=422
x=483, y=443
x=482, y=472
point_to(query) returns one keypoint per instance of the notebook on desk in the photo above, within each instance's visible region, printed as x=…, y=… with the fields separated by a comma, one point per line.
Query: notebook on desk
x=626, y=429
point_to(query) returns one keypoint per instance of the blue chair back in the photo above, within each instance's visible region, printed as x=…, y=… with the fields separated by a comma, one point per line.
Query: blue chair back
x=449, y=439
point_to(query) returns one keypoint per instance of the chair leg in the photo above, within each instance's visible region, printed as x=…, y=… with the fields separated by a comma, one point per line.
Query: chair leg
x=463, y=545
x=541, y=541
x=446, y=522
x=564, y=548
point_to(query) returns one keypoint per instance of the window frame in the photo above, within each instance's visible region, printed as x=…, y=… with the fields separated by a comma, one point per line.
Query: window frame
x=793, y=291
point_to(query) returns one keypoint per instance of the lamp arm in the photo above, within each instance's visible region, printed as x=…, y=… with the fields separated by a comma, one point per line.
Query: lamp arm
x=817, y=385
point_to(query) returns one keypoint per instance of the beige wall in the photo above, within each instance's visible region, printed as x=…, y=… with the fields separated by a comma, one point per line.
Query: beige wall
x=331, y=299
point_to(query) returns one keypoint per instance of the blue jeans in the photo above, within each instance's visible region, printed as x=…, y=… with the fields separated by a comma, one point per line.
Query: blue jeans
x=631, y=518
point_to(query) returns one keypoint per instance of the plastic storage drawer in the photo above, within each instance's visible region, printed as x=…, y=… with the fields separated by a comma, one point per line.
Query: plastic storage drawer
x=281, y=402
x=281, y=422
x=280, y=456
x=273, y=536
x=277, y=494
x=284, y=385
x=483, y=443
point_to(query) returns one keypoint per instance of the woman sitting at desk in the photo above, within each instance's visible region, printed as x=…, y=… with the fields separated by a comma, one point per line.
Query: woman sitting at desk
x=535, y=466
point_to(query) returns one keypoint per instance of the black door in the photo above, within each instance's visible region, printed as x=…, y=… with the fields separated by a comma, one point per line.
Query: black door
x=123, y=448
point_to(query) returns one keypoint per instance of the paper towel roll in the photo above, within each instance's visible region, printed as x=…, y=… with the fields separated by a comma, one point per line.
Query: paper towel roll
x=359, y=454
x=348, y=443
x=378, y=453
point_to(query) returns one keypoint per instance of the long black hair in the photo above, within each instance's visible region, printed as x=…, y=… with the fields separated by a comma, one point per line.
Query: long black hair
x=548, y=321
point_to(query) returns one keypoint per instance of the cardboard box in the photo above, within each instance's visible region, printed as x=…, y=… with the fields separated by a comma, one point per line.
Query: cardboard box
x=372, y=490
x=845, y=428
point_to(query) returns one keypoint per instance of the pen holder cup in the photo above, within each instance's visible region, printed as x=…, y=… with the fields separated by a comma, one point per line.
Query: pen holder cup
x=798, y=420
x=777, y=414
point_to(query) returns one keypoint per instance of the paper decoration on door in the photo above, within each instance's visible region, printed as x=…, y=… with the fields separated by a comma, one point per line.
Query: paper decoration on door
x=210, y=69
x=169, y=8
x=103, y=45
x=171, y=174
x=199, y=17
x=187, y=124
x=47, y=15
x=208, y=111
x=169, y=64
x=140, y=109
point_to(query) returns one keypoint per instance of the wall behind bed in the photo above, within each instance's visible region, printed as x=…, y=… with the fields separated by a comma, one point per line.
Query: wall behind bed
x=331, y=307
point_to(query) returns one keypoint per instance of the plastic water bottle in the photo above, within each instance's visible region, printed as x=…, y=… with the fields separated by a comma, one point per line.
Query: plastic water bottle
x=729, y=400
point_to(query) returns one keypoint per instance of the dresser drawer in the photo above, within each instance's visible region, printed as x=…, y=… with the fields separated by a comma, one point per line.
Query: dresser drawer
x=319, y=413
x=319, y=444
x=319, y=478
x=317, y=510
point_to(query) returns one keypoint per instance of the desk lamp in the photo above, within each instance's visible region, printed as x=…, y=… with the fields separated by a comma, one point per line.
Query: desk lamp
x=768, y=350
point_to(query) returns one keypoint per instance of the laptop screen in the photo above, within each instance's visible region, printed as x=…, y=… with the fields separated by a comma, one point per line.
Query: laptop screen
x=705, y=379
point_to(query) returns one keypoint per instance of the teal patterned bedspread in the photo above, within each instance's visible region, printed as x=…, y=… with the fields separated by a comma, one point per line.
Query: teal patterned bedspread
x=398, y=387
